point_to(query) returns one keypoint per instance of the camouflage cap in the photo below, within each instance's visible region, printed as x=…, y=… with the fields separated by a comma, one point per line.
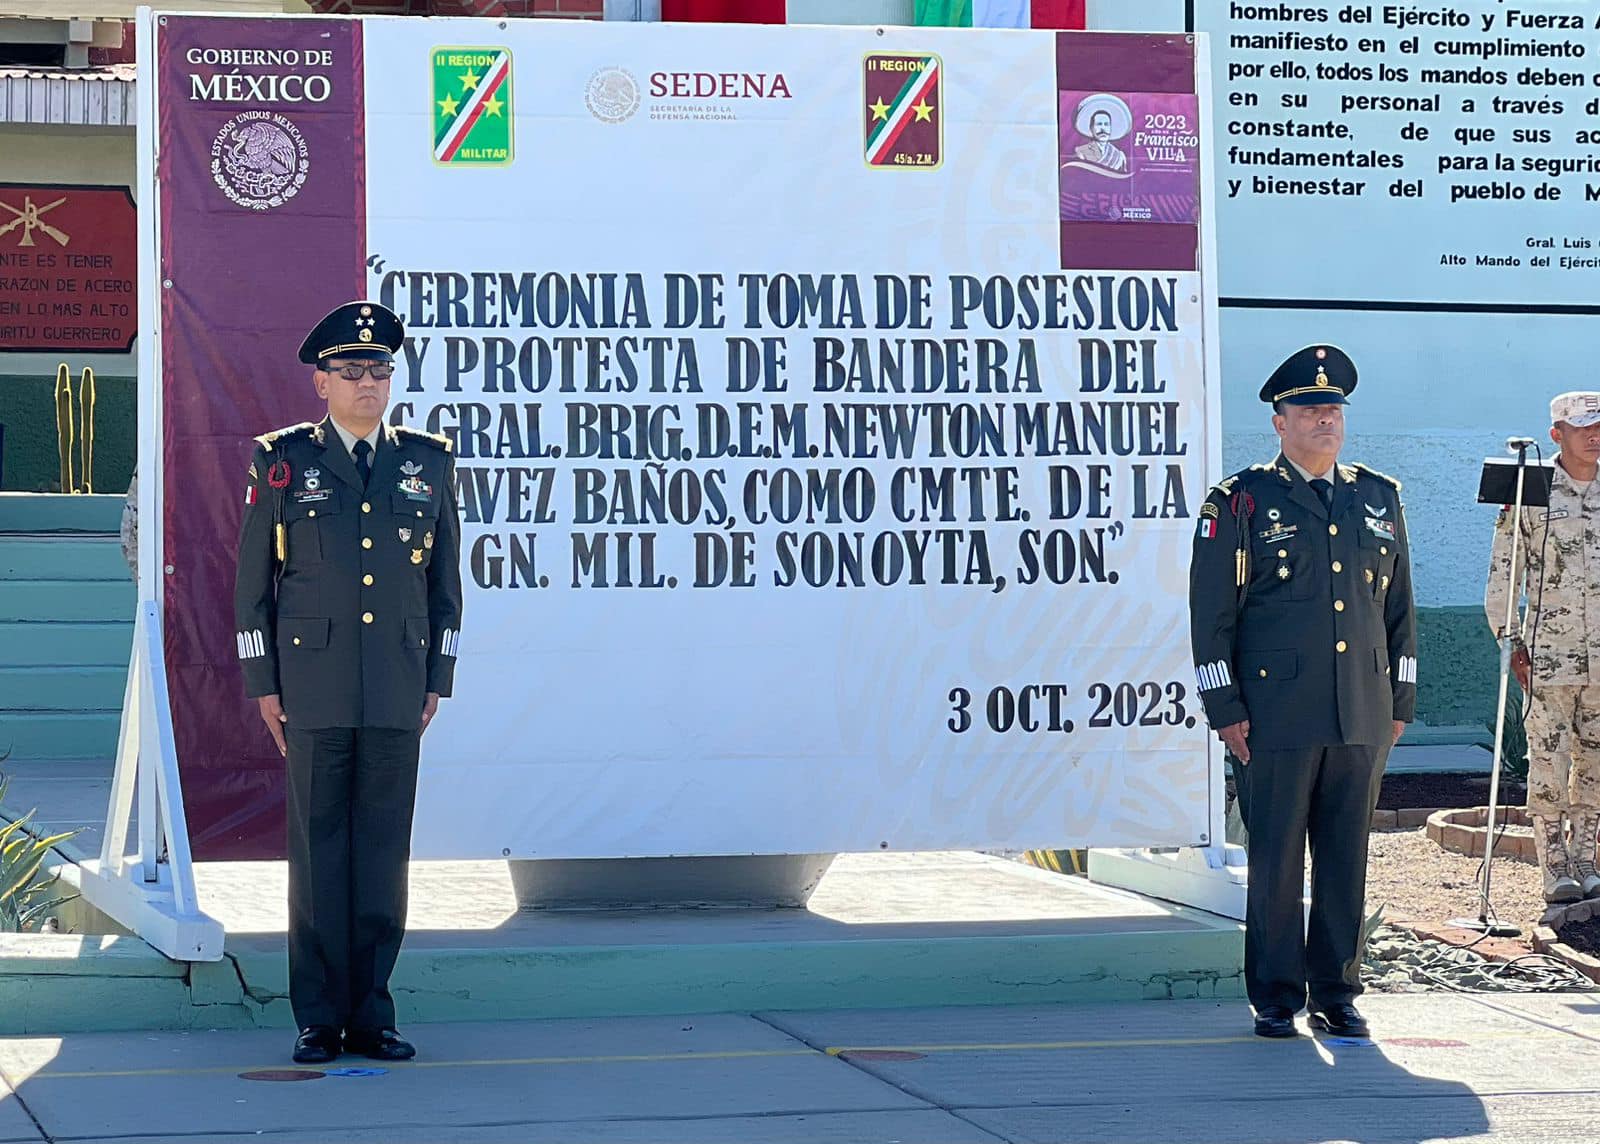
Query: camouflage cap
x=1578, y=409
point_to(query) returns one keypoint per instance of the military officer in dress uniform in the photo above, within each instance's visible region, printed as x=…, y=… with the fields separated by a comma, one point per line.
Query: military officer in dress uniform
x=348, y=609
x=1305, y=646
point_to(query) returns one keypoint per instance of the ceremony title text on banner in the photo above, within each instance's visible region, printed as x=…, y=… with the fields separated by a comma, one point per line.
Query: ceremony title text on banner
x=951, y=387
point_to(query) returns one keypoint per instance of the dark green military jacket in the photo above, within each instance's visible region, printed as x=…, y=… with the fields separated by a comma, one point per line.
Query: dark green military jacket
x=348, y=603
x=1301, y=620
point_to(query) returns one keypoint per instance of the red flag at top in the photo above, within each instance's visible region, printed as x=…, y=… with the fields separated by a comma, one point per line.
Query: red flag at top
x=726, y=11
x=1059, y=14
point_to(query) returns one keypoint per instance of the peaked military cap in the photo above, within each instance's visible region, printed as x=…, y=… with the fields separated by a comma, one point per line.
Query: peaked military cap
x=1316, y=375
x=355, y=330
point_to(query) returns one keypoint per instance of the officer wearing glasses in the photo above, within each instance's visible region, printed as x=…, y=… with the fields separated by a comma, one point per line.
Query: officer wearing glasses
x=347, y=608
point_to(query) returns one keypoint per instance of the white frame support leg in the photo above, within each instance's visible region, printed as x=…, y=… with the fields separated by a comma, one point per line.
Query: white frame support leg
x=152, y=890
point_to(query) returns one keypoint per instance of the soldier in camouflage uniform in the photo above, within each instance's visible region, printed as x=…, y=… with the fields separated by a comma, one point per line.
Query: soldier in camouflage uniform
x=1558, y=568
x=1305, y=646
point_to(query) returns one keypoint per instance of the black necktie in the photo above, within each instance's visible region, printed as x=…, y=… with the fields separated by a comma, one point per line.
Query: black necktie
x=1325, y=491
x=363, y=461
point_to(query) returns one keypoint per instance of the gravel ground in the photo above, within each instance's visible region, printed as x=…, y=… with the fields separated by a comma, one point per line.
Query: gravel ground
x=1409, y=876
x=1400, y=962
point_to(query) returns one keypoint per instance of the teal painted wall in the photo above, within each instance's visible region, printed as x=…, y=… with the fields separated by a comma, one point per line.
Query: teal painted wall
x=27, y=410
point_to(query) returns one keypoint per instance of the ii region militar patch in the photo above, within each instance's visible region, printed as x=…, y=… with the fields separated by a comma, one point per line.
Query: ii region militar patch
x=902, y=94
x=472, y=107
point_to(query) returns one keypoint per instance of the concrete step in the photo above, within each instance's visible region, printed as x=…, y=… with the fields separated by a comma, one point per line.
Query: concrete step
x=61, y=689
x=55, y=512
x=65, y=644
x=67, y=600
x=882, y=932
x=61, y=558
x=40, y=735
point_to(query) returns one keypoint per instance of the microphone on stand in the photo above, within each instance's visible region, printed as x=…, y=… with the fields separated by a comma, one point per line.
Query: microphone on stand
x=1519, y=485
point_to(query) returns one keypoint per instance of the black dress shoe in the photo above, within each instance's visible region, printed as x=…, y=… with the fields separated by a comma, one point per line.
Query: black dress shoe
x=1275, y=1021
x=1339, y=1020
x=316, y=1045
x=379, y=1044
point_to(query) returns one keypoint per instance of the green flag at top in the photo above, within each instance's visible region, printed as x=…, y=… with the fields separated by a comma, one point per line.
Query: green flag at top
x=1000, y=13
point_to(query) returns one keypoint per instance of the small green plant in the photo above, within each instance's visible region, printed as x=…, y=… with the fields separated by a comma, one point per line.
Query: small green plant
x=24, y=895
x=1371, y=924
x=1514, y=747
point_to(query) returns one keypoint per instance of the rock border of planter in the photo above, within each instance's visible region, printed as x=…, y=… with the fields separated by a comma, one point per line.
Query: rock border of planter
x=1547, y=941
x=1403, y=819
x=1463, y=830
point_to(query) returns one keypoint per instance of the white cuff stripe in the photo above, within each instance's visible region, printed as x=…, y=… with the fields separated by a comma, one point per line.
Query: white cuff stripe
x=1408, y=669
x=1213, y=675
x=449, y=641
x=250, y=644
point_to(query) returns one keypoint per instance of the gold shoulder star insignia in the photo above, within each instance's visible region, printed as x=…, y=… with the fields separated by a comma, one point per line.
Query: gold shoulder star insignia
x=880, y=110
x=492, y=105
x=924, y=111
x=449, y=105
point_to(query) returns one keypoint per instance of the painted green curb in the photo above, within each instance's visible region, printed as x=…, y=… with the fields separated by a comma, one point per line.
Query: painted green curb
x=58, y=599
x=59, y=735
x=61, y=558
x=55, y=512
x=58, y=990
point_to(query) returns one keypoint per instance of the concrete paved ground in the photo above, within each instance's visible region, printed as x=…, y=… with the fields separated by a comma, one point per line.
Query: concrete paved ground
x=904, y=894
x=1444, y=1067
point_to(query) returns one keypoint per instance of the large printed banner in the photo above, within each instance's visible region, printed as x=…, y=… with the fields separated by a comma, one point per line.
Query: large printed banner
x=829, y=408
x=1452, y=147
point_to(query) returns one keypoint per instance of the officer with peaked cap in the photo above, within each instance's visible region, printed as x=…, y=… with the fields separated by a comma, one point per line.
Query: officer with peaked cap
x=347, y=603
x=1560, y=675
x=1304, y=643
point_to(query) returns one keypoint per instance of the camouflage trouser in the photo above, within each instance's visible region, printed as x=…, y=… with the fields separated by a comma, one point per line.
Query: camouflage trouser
x=1563, y=750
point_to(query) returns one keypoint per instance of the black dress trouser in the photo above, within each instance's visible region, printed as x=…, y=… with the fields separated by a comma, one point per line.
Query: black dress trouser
x=352, y=792
x=1326, y=795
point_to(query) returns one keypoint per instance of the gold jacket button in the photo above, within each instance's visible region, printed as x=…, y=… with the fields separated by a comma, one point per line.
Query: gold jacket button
x=366, y=542
x=1337, y=567
x=296, y=641
x=1283, y=553
x=419, y=512
x=1263, y=673
x=366, y=618
x=1340, y=646
x=1384, y=551
x=366, y=506
x=367, y=580
x=1338, y=605
x=313, y=512
x=1333, y=530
